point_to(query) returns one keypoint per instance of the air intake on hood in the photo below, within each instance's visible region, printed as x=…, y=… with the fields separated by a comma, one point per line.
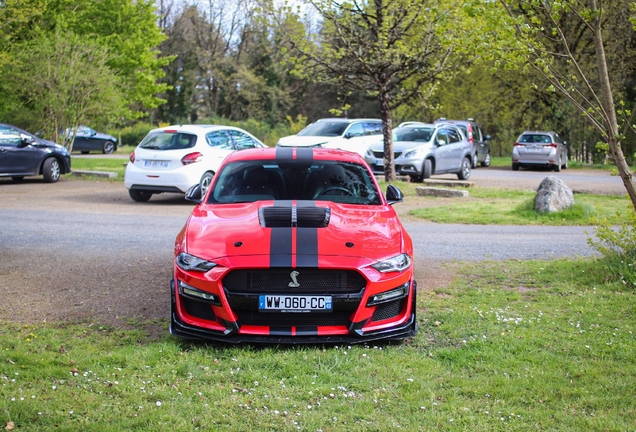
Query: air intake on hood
x=301, y=217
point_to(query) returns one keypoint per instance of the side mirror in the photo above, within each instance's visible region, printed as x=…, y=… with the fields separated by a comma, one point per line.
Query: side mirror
x=441, y=142
x=488, y=137
x=26, y=141
x=194, y=194
x=394, y=195
x=565, y=143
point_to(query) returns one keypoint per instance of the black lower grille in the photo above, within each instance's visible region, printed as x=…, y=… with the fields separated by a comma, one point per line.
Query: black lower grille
x=198, y=309
x=281, y=280
x=273, y=319
x=388, y=310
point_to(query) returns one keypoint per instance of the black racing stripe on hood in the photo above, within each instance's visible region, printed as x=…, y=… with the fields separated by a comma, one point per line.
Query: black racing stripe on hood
x=280, y=248
x=306, y=242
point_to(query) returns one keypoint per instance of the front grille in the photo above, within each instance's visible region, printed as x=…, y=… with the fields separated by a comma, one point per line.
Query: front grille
x=198, y=309
x=310, y=281
x=388, y=310
x=380, y=155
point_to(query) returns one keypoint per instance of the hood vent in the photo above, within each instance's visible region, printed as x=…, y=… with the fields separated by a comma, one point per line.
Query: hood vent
x=300, y=217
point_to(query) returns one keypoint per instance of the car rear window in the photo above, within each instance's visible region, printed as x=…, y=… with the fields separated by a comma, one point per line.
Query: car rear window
x=328, y=129
x=250, y=181
x=163, y=140
x=535, y=138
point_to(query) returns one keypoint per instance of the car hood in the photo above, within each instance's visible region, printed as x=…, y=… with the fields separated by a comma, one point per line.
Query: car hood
x=104, y=136
x=400, y=146
x=304, y=141
x=366, y=233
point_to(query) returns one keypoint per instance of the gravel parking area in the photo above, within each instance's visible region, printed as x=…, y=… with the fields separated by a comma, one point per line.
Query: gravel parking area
x=82, y=250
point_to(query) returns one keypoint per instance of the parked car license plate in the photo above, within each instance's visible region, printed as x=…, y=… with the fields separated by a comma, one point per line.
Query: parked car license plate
x=379, y=162
x=156, y=163
x=286, y=303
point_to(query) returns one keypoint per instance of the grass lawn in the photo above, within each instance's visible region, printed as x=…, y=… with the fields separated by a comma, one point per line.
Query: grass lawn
x=539, y=345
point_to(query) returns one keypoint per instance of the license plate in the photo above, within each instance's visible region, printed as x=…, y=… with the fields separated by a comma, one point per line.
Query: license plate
x=534, y=150
x=379, y=162
x=156, y=163
x=286, y=303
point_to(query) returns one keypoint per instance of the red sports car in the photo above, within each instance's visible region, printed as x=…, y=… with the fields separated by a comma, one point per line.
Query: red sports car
x=293, y=245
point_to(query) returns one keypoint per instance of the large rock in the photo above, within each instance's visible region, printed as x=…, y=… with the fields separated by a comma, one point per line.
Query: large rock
x=553, y=195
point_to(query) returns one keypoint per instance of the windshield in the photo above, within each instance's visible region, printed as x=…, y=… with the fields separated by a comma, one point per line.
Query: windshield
x=162, y=140
x=249, y=181
x=324, y=128
x=416, y=134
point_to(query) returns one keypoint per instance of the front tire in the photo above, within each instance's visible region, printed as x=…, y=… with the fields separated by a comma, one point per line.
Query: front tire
x=139, y=195
x=51, y=170
x=109, y=147
x=427, y=170
x=464, y=172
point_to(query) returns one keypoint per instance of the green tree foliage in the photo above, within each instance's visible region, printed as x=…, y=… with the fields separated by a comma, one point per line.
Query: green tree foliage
x=125, y=29
x=59, y=82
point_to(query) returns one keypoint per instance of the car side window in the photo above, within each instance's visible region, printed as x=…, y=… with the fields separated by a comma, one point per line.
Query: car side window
x=219, y=140
x=442, y=137
x=372, y=128
x=478, y=135
x=355, y=130
x=241, y=141
x=453, y=136
x=557, y=139
x=10, y=137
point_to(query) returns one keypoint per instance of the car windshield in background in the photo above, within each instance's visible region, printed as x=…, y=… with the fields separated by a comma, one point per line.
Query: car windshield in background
x=328, y=129
x=413, y=134
x=168, y=141
x=249, y=181
x=535, y=138
x=9, y=136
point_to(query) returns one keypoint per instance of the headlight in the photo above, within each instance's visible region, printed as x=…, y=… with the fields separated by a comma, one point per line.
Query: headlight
x=190, y=262
x=412, y=153
x=395, y=264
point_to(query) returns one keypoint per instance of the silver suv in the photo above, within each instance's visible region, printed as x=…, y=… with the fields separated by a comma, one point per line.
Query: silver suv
x=479, y=142
x=421, y=150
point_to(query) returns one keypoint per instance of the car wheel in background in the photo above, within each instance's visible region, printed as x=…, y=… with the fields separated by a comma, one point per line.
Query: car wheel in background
x=557, y=166
x=109, y=147
x=474, y=162
x=427, y=169
x=206, y=180
x=51, y=170
x=486, y=162
x=139, y=195
x=85, y=152
x=464, y=173
x=565, y=165
x=17, y=178
x=515, y=167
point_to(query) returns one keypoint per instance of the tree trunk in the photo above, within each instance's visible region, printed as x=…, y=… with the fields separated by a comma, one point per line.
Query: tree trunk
x=613, y=135
x=387, y=134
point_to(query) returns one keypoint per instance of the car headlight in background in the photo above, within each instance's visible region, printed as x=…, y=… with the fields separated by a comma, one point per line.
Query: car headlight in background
x=412, y=153
x=395, y=264
x=190, y=262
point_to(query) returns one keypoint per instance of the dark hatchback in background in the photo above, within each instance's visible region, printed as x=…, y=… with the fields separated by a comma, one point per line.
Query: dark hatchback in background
x=87, y=140
x=479, y=142
x=23, y=154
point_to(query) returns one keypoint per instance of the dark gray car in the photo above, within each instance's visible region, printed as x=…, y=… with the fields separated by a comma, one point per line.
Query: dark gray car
x=23, y=154
x=421, y=150
x=87, y=140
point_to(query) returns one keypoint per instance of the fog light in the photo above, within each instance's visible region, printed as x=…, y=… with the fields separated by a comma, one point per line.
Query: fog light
x=188, y=291
x=387, y=296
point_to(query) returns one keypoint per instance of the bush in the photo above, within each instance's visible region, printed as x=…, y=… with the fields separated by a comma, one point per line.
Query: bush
x=132, y=135
x=618, y=247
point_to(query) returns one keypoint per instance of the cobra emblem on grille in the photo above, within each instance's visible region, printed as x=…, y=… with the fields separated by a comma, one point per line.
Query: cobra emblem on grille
x=294, y=283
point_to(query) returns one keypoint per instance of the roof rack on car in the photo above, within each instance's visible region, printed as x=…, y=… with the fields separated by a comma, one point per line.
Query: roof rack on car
x=470, y=119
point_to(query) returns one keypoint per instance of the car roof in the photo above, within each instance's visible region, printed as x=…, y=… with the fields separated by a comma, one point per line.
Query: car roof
x=195, y=128
x=346, y=120
x=417, y=125
x=273, y=152
x=539, y=132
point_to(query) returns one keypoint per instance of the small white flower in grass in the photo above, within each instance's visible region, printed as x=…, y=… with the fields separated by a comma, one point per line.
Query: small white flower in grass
x=410, y=379
x=54, y=387
x=71, y=412
x=422, y=408
x=587, y=346
x=158, y=403
x=12, y=399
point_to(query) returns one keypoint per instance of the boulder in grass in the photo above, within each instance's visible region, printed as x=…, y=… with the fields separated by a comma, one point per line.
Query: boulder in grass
x=553, y=195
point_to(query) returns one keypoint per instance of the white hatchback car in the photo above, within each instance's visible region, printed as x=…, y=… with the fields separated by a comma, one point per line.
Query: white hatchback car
x=174, y=158
x=354, y=135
